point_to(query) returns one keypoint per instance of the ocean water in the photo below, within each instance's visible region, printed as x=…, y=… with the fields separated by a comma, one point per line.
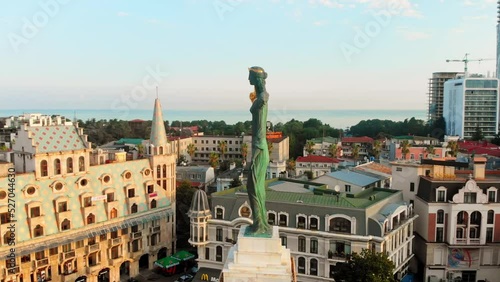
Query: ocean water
x=335, y=118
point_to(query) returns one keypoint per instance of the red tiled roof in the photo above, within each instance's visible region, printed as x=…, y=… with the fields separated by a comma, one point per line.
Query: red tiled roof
x=470, y=145
x=316, y=159
x=364, y=139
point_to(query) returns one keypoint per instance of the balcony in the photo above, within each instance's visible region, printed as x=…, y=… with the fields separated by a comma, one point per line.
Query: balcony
x=467, y=241
x=69, y=276
x=136, y=235
x=38, y=220
x=301, y=225
x=154, y=229
x=67, y=255
x=115, y=241
x=93, y=248
x=40, y=262
x=62, y=215
x=116, y=260
x=12, y=270
x=93, y=268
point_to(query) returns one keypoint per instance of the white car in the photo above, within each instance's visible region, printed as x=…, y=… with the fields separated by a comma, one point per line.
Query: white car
x=185, y=278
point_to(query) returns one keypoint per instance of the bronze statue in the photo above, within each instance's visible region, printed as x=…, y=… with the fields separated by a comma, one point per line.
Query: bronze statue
x=256, y=185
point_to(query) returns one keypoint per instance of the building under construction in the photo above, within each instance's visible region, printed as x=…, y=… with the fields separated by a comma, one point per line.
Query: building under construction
x=436, y=90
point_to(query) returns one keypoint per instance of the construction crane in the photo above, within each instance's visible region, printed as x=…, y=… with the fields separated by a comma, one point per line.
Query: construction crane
x=466, y=60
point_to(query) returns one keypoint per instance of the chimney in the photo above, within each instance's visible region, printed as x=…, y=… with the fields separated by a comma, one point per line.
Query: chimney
x=479, y=167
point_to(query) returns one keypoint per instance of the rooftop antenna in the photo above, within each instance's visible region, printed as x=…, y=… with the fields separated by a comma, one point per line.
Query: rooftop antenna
x=156, y=92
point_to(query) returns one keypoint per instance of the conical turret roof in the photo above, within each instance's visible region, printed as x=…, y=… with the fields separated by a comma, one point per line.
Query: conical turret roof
x=158, y=132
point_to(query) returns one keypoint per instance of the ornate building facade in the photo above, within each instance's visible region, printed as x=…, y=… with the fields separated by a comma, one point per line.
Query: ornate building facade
x=67, y=217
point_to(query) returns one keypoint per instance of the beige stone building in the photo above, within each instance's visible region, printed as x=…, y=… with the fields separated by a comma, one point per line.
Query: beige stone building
x=65, y=217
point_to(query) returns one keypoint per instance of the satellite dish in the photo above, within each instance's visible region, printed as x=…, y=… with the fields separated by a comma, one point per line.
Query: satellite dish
x=336, y=188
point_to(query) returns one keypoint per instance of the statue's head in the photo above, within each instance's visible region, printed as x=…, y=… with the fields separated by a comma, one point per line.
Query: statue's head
x=257, y=75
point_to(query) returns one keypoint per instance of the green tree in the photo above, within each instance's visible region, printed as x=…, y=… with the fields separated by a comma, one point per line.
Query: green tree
x=496, y=139
x=376, y=148
x=405, y=148
x=290, y=165
x=453, y=148
x=213, y=160
x=244, y=151
x=222, y=148
x=367, y=266
x=430, y=150
x=355, y=151
x=191, y=149
x=236, y=182
x=270, y=146
x=184, y=196
x=478, y=134
x=332, y=150
x=310, y=147
x=309, y=174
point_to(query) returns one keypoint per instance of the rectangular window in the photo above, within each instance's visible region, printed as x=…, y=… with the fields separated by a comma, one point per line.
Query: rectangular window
x=53, y=251
x=440, y=217
x=66, y=248
x=131, y=193
x=79, y=244
x=314, y=246
x=489, y=235
x=207, y=253
x=87, y=201
x=412, y=187
x=150, y=189
x=441, y=195
x=4, y=217
x=110, y=197
x=439, y=234
x=348, y=188
x=470, y=197
x=283, y=241
x=302, y=244
x=218, y=234
x=399, y=169
x=492, y=196
x=35, y=212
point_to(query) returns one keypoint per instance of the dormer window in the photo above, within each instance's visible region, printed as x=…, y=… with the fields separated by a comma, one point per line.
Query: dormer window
x=492, y=195
x=441, y=194
x=35, y=212
x=87, y=202
x=470, y=197
x=219, y=213
x=62, y=206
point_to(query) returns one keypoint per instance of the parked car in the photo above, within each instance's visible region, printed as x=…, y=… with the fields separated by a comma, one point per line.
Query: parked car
x=185, y=278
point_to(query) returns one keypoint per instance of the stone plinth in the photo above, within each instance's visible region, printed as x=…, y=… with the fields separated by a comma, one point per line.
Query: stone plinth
x=258, y=259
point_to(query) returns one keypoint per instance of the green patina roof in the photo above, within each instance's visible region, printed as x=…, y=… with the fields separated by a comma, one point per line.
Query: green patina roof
x=327, y=139
x=167, y=262
x=135, y=141
x=320, y=197
x=56, y=138
x=183, y=255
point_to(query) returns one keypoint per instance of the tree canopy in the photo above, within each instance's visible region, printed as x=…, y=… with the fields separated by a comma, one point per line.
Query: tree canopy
x=367, y=266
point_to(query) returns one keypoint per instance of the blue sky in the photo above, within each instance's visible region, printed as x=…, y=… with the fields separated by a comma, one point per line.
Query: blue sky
x=74, y=54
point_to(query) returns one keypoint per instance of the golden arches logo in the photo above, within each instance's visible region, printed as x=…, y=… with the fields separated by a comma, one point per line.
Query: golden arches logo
x=204, y=277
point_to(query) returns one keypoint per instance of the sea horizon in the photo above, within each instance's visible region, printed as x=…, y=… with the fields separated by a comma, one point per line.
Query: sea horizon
x=335, y=118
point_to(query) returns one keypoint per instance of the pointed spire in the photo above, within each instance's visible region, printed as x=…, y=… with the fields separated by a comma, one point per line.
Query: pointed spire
x=158, y=134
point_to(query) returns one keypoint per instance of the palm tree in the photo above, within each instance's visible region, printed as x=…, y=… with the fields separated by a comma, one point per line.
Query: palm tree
x=453, y=146
x=310, y=147
x=191, y=149
x=244, y=151
x=290, y=164
x=222, y=148
x=355, y=151
x=405, y=148
x=377, y=148
x=430, y=150
x=332, y=150
x=213, y=160
x=270, y=147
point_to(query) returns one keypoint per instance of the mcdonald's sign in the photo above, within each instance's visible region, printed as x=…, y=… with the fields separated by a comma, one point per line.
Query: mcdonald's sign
x=204, y=277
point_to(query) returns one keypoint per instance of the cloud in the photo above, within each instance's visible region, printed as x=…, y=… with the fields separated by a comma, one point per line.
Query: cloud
x=412, y=35
x=327, y=3
x=396, y=7
x=320, y=23
x=122, y=14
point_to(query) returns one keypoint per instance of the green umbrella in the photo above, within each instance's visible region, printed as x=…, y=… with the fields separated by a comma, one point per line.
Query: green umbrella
x=167, y=262
x=183, y=255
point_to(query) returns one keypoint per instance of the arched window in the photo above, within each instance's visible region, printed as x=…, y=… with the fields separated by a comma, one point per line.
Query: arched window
x=339, y=224
x=440, y=217
x=90, y=218
x=302, y=265
x=113, y=213
x=219, y=213
x=9, y=235
x=38, y=231
x=313, y=223
x=81, y=163
x=57, y=166
x=462, y=218
x=153, y=204
x=218, y=253
x=164, y=171
x=314, y=246
x=301, y=222
x=158, y=171
x=43, y=168
x=313, y=267
x=66, y=224
x=160, y=149
x=133, y=208
x=69, y=165
x=302, y=244
x=271, y=218
x=491, y=216
x=283, y=220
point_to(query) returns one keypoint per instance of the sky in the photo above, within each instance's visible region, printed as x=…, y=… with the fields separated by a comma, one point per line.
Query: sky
x=319, y=54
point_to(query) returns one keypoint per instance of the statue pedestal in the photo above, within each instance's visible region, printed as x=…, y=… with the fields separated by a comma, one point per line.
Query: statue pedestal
x=258, y=259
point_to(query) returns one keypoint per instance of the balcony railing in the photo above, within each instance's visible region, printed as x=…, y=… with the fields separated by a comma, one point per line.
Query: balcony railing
x=136, y=235
x=67, y=255
x=92, y=248
x=12, y=270
x=41, y=262
x=115, y=241
x=467, y=241
x=301, y=225
x=154, y=229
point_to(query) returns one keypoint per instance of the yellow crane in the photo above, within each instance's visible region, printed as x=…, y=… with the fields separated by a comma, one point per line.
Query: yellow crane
x=466, y=60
